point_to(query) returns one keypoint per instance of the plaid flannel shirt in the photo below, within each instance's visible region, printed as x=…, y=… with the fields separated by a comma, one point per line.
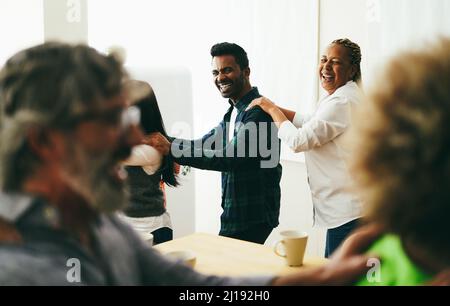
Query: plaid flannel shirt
x=250, y=192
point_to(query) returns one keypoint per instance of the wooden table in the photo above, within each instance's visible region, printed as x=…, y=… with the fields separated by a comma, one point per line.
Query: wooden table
x=231, y=257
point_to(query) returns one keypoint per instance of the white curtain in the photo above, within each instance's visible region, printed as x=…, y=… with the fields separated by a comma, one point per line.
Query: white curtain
x=280, y=37
x=21, y=26
x=394, y=25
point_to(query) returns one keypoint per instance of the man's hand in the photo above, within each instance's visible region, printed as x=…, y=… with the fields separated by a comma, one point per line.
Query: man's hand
x=159, y=142
x=344, y=267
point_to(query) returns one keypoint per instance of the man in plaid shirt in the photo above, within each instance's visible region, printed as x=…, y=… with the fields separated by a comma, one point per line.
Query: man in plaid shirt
x=244, y=147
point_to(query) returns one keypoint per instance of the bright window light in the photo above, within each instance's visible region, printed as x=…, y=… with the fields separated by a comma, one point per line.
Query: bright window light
x=21, y=26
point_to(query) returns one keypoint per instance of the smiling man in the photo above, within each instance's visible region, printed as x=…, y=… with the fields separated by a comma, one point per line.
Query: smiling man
x=244, y=147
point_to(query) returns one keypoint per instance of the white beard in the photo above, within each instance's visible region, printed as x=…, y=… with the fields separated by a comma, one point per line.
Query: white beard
x=89, y=176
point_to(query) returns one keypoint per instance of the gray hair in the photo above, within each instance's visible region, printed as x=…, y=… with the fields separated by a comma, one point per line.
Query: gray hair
x=355, y=55
x=48, y=86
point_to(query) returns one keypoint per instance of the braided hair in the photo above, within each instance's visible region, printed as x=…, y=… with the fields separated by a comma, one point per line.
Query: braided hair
x=354, y=53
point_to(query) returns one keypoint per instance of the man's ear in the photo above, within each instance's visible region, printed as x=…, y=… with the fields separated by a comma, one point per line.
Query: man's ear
x=247, y=72
x=46, y=144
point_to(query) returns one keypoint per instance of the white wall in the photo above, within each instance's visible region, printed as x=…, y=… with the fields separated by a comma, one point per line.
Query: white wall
x=344, y=19
x=382, y=28
x=397, y=25
x=21, y=26
x=66, y=20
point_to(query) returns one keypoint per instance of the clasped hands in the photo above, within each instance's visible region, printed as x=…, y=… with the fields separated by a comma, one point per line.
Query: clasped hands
x=159, y=142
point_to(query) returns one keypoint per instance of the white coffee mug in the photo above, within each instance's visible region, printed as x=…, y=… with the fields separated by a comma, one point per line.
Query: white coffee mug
x=294, y=245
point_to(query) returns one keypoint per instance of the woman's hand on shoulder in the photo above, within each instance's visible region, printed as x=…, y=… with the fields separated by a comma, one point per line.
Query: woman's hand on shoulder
x=266, y=104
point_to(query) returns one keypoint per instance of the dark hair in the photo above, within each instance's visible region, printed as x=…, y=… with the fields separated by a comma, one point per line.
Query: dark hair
x=237, y=51
x=354, y=52
x=151, y=121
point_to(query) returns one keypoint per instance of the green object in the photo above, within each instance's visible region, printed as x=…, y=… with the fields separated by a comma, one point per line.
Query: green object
x=396, y=269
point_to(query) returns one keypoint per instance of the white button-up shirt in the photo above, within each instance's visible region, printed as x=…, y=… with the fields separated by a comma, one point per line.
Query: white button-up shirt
x=322, y=137
x=233, y=117
x=145, y=156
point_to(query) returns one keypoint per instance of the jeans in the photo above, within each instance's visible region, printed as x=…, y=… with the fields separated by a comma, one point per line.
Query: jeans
x=256, y=234
x=335, y=236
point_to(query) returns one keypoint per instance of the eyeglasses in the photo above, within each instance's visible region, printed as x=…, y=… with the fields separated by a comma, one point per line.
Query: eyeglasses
x=113, y=117
x=131, y=116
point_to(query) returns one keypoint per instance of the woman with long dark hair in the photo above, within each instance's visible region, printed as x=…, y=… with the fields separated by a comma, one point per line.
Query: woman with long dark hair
x=148, y=172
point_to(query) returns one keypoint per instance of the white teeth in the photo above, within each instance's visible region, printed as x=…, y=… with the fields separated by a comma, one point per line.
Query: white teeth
x=225, y=86
x=325, y=75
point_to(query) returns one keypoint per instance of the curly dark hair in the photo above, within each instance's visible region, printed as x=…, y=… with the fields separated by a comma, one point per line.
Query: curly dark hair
x=235, y=50
x=402, y=158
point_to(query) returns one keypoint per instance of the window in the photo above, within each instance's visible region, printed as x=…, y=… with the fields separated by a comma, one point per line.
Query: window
x=280, y=37
x=21, y=26
x=403, y=24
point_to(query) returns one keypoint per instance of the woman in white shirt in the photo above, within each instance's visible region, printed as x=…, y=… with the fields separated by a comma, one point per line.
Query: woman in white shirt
x=322, y=137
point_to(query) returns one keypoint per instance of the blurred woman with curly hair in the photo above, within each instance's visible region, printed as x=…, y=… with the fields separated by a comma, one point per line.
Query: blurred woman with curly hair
x=402, y=165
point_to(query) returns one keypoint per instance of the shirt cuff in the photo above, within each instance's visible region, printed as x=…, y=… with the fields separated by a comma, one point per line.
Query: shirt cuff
x=145, y=156
x=286, y=131
x=298, y=120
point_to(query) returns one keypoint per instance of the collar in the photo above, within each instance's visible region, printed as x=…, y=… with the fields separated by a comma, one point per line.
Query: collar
x=13, y=206
x=344, y=87
x=242, y=104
